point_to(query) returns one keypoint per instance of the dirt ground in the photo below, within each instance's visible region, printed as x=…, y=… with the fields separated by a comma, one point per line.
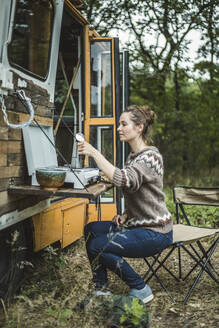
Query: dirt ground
x=57, y=281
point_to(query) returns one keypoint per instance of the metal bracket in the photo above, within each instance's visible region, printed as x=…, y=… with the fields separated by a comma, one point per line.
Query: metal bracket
x=11, y=182
x=6, y=78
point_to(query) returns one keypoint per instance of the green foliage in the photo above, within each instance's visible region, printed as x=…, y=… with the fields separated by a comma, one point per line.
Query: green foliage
x=117, y=310
x=134, y=313
x=182, y=92
x=60, y=95
x=54, y=257
x=206, y=216
x=187, y=137
x=61, y=315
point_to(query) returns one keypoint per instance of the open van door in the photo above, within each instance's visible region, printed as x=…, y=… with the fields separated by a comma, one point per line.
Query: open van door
x=123, y=149
x=102, y=112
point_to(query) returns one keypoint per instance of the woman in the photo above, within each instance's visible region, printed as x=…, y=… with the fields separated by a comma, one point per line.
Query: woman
x=145, y=228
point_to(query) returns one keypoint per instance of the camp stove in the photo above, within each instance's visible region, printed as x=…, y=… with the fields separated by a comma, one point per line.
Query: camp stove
x=40, y=153
x=81, y=177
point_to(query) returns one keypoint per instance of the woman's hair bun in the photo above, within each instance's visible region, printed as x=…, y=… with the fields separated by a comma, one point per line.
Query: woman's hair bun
x=148, y=113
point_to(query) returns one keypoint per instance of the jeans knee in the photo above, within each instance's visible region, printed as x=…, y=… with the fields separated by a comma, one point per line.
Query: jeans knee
x=92, y=248
x=88, y=229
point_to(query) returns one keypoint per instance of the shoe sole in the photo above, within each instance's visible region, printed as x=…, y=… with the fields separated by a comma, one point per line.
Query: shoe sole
x=100, y=293
x=148, y=299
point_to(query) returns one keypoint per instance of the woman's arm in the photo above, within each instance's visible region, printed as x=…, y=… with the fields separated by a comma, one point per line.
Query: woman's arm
x=84, y=148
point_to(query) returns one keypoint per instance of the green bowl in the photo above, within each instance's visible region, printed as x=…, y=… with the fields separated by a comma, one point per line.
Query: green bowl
x=51, y=178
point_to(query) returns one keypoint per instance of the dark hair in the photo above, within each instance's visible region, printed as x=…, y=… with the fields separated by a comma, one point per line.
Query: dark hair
x=142, y=115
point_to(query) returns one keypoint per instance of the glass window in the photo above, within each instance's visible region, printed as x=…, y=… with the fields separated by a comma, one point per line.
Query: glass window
x=32, y=33
x=101, y=79
x=101, y=137
x=121, y=86
x=69, y=73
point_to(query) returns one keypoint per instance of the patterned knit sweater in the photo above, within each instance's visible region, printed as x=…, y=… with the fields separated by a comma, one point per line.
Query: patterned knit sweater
x=142, y=184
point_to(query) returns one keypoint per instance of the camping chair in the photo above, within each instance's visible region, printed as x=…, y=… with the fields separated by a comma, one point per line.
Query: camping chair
x=188, y=238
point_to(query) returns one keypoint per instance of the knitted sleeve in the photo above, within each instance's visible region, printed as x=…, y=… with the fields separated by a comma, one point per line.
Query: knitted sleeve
x=147, y=167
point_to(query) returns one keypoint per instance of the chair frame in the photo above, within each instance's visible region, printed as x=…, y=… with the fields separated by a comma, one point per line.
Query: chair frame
x=200, y=255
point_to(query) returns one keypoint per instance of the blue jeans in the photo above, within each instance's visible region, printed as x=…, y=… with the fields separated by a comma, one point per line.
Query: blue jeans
x=106, y=245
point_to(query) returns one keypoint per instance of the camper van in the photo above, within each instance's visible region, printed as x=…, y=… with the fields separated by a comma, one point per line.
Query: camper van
x=58, y=77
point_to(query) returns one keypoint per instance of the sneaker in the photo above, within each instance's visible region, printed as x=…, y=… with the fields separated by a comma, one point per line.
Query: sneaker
x=102, y=292
x=145, y=294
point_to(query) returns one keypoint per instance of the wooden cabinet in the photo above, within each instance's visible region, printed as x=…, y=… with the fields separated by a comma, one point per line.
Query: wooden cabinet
x=64, y=221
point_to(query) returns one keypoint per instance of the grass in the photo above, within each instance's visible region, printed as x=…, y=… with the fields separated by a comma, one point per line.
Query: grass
x=55, y=286
x=59, y=280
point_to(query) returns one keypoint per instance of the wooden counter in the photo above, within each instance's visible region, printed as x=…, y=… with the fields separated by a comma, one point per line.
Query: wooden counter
x=91, y=192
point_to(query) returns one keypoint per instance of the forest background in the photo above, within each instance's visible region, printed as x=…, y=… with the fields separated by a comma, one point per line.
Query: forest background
x=184, y=94
x=183, y=91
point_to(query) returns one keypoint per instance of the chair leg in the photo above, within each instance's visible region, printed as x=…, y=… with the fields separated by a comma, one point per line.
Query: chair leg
x=200, y=261
x=168, y=270
x=160, y=281
x=156, y=260
x=149, y=267
x=159, y=266
x=201, y=271
x=194, y=258
x=204, y=253
x=179, y=263
x=203, y=261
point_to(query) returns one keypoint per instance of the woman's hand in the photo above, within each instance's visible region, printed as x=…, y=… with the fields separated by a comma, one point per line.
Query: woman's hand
x=119, y=219
x=84, y=148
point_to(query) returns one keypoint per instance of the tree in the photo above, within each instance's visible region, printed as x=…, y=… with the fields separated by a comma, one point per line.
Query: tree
x=163, y=76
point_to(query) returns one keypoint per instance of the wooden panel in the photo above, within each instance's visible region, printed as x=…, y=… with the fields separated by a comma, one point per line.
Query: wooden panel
x=40, y=119
x=3, y=147
x=9, y=202
x=3, y=133
x=4, y=184
x=10, y=146
x=63, y=221
x=16, y=216
x=12, y=118
x=108, y=211
x=14, y=134
x=41, y=112
x=18, y=118
x=16, y=160
x=3, y=160
x=12, y=171
x=15, y=147
x=74, y=219
x=47, y=228
x=10, y=115
x=7, y=182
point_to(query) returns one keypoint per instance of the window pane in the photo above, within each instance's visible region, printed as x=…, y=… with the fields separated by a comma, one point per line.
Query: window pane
x=70, y=68
x=30, y=45
x=101, y=137
x=101, y=78
x=121, y=86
